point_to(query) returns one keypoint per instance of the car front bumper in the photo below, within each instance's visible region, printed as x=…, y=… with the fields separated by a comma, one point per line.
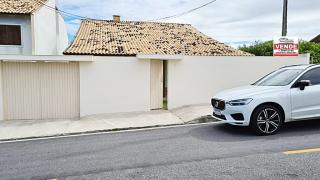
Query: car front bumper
x=231, y=115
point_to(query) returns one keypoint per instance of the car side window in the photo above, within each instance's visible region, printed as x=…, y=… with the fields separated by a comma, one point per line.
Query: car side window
x=313, y=75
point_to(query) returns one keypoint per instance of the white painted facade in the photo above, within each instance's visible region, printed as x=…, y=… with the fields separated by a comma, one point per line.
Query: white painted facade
x=49, y=31
x=111, y=84
x=44, y=32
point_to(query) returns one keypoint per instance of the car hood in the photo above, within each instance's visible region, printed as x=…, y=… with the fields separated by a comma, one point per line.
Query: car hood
x=246, y=92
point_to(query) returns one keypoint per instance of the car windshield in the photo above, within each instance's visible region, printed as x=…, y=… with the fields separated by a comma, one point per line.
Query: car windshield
x=280, y=77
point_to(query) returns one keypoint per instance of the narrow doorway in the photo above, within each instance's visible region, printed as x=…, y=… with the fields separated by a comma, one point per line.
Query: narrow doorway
x=158, y=85
x=165, y=85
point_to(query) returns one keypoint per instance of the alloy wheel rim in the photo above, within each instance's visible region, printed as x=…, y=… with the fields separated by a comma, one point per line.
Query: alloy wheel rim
x=268, y=120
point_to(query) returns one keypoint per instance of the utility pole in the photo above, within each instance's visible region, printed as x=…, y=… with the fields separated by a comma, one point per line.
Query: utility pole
x=285, y=18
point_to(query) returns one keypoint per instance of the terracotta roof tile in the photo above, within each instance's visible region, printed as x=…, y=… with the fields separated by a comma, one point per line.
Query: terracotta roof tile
x=97, y=37
x=20, y=6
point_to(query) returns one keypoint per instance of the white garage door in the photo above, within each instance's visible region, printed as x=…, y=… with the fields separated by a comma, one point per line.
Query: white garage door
x=40, y=90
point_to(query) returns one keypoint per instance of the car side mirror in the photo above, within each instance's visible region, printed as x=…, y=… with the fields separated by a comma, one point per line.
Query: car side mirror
x=303, y=83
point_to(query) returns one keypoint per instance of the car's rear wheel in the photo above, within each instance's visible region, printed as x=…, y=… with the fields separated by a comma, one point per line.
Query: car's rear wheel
x=266, y=120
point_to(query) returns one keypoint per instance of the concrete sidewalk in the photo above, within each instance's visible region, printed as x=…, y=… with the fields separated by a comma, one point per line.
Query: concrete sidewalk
x=19, y=129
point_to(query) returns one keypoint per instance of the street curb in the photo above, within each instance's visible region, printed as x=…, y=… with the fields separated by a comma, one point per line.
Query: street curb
x=107, y=131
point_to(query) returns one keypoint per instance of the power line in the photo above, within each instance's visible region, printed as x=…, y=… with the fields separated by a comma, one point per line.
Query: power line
x=64, y=12
x=158, y=19
x=184, y=13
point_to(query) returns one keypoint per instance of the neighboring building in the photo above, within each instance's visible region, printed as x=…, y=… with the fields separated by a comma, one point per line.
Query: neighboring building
x=316, y=39
x=31, y=27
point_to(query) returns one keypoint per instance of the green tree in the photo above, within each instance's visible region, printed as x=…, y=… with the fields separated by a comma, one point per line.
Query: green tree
x=259, y=48
x=266, y=49
x=312, y=48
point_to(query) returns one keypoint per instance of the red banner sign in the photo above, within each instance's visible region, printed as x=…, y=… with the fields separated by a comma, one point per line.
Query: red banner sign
x=285, y=46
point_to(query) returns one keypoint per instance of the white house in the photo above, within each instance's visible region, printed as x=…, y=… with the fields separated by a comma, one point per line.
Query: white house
x=31, y=27
x=141, y=66
x=125, y=66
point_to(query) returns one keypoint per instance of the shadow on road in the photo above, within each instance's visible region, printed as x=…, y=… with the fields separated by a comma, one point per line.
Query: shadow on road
x=229, y=133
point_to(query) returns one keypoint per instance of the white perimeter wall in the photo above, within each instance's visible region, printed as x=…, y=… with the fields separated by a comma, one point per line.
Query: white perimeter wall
x=114, y=84
x=122, y=84
x=26, y=39
x=49, y=31
x=195, y=79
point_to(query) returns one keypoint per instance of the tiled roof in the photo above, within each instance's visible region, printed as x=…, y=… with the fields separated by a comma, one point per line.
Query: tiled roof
x=316, y=39
x=20, y=6
x=127, y=38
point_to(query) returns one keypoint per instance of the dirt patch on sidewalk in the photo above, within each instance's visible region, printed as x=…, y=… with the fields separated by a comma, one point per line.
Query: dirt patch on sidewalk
x=203, y=119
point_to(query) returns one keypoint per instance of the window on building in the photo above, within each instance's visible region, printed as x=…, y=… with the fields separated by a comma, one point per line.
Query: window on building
x=10, y=35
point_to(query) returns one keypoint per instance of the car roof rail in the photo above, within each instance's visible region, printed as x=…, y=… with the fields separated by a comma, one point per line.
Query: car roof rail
x=307, y=65
x=293, y=65
x=317, y=64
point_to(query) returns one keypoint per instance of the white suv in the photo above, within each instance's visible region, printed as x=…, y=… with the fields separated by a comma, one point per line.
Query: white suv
x=288, y=94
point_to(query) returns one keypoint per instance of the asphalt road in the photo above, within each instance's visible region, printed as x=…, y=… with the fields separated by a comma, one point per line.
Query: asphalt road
x=211, y=151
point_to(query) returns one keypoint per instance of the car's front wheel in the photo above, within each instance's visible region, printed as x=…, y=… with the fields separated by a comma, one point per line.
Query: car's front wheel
x=266, y=120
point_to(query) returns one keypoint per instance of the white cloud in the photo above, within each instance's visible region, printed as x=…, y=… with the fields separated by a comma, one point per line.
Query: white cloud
x=226, y=20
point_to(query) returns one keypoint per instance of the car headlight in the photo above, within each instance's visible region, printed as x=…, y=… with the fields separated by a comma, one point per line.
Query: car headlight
x=239, y=102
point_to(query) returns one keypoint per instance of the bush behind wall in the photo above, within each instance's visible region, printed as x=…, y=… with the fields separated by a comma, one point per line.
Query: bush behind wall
x=265, y=48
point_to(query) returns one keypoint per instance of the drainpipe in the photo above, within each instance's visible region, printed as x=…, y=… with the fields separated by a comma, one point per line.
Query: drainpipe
x=57, y=27
x=33, y=34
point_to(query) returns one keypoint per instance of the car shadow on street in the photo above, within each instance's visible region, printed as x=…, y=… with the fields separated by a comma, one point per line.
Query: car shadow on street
x=229, y=133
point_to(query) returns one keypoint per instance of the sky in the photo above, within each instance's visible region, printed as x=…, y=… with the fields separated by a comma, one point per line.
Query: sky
x=234, y=22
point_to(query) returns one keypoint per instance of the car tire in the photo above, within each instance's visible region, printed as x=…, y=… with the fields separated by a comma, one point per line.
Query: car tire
x=266, y=120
